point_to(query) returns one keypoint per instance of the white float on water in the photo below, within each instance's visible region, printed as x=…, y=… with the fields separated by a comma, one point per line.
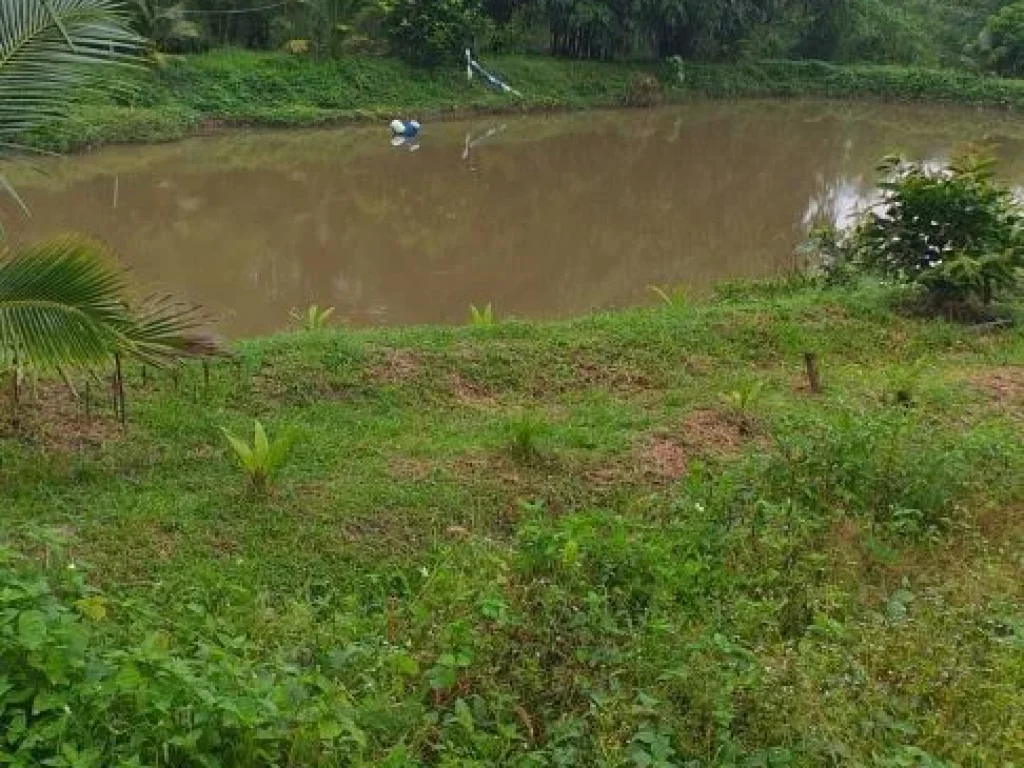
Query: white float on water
x=407, y=129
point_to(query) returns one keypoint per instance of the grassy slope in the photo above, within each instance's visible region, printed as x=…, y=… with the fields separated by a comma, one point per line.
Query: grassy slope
x=803, y=577
x=238, y=87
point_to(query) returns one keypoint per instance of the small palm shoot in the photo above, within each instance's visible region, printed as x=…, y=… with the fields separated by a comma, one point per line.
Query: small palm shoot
x=313, y=319
x=676, y=296
x=742, y=399
x=263, y=459
x=481, y=318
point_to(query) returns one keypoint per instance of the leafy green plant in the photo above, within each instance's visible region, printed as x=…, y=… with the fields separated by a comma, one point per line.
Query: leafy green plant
x=78, y=694
x=263, y=458
x=481, y=318
x=955, y=232
x=1000, y=46
x=744, y=397
x=525, y=431
x=313, y=319
x=429, y=32
x=904, y=384
x=63, y=305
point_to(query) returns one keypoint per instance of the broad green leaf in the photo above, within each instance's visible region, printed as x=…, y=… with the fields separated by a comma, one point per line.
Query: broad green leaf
x=241, y=448
x=261, y=446
x=32, y=629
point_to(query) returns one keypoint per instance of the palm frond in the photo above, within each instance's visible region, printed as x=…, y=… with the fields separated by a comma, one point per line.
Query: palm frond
x=165, y=331
x=54, y=52
x=61, y=304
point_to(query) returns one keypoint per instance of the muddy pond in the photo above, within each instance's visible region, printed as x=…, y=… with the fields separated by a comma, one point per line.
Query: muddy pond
x=541, y=217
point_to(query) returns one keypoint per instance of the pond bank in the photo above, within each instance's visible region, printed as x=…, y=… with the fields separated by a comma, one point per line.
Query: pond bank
x=224, y=89
x=483, y=531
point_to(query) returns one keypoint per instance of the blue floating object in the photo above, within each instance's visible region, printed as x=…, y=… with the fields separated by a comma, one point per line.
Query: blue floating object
x=409, y=129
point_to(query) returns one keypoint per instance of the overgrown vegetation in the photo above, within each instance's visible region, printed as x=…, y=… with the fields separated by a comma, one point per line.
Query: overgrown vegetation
x=1001, y=43
x=922, y=32
x=437, y=580
x=225, y=88
x=955, y=232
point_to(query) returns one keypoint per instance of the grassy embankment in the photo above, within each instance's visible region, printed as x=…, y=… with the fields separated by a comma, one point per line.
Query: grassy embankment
x=633, y=539
x=245, y=88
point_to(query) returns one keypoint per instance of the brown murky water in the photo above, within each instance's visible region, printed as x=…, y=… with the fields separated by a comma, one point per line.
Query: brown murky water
x=540, y=216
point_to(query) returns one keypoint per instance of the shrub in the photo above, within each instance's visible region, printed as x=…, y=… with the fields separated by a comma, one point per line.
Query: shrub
x=954, y=231
x=642, y=90
x=1001, y=45
x=429, y=32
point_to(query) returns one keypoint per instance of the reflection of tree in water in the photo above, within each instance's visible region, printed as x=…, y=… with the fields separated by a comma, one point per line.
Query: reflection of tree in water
x=581, y=219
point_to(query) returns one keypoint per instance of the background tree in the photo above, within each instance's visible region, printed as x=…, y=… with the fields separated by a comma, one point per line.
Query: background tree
x=1001, y=44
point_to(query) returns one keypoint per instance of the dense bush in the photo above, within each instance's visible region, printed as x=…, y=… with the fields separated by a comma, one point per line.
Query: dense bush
x=429, y=32
x=954, y=231
x=1001, y=46
x=909, y=31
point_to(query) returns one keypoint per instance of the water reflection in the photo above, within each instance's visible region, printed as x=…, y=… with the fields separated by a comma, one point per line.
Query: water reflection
x=541, y=217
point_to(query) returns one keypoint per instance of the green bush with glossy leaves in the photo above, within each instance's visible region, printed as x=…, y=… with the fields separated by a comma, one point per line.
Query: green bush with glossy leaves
x=954, y=231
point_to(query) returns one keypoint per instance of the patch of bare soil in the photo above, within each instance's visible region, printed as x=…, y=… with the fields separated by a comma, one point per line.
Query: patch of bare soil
x=620, y=378
x=665, y=458
x=470, y=394
x=406, y=467
x=50, y=415
x=398, y=365
x=1004, y=385
x=703, y=434
x=495, y=467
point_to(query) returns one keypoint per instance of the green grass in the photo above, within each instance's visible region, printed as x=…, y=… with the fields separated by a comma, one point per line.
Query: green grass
x=231, y=87
x=543, y=545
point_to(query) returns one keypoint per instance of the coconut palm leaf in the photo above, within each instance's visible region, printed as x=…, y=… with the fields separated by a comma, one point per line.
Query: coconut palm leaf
x=55, y=52
x=165, y=331
x=61, y=304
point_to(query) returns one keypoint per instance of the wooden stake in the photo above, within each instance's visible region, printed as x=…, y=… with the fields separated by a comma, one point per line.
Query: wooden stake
x=813, y=374
x=119, y=379
x=15, y=397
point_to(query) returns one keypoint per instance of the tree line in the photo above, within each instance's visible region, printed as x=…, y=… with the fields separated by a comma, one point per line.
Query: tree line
x=926, y=32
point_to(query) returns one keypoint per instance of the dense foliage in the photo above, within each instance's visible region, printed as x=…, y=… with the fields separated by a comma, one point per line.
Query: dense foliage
x=955, y=231
x=1001, y=45
x=907, y=31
